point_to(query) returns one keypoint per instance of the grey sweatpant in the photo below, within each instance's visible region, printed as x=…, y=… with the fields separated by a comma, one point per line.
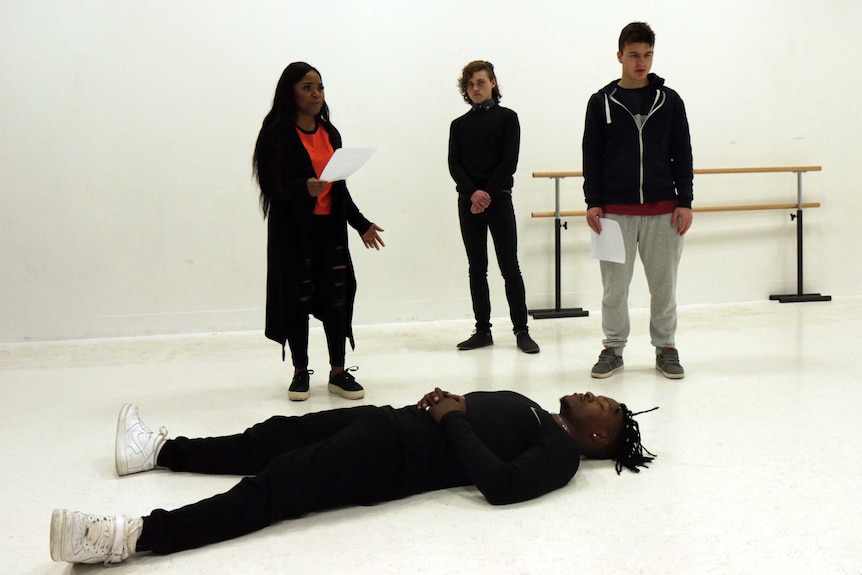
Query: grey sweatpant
x=660, y=247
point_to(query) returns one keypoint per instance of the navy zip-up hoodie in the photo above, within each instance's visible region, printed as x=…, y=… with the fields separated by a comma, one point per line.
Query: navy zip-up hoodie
x=625, y=164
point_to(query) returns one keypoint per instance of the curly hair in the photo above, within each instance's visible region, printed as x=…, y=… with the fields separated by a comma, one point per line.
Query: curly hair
x=472, y=68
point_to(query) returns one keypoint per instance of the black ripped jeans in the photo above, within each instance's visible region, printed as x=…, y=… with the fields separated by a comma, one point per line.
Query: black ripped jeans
x=324, y=288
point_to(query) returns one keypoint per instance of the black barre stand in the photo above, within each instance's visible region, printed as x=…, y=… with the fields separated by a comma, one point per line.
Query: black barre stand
x=799, y=296
x=557, y=311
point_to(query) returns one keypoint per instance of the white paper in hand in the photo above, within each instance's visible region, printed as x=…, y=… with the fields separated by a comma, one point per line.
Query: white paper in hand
x=608, y=245
x=345, y=162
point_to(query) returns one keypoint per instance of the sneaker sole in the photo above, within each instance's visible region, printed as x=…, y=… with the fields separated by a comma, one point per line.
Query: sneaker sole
x=669, y=375
x=344, y=393
x=58, y=521
x=606, y=375
x=298, y=395
x=472, y=347
x=120, y=443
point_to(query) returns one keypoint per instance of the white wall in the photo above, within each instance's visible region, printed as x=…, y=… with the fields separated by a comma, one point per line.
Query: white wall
x=127, y=131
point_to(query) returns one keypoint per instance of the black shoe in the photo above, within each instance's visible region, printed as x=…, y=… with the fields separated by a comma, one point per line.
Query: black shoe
x=346, y=385
x=477, y=340
x=526, y=343
x=298, y=390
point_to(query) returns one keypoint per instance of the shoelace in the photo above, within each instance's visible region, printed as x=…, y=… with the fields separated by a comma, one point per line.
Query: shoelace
x=145, y=436
x=105, y=535
x=347, y=371
x=345, y=375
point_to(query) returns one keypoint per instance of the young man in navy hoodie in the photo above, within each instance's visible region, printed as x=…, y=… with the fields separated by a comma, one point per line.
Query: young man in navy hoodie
x=638, y=172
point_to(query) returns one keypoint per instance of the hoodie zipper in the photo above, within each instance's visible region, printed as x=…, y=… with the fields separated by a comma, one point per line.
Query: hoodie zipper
x=657, y=103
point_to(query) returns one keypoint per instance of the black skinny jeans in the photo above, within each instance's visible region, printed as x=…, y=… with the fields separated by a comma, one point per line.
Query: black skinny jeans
x=499, y=218
x=295, y=465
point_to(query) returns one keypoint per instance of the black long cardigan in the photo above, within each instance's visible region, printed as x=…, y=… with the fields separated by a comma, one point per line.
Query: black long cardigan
x=289, y=228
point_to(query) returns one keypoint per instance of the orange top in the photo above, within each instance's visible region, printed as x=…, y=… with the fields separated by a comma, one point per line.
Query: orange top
x=319, y=149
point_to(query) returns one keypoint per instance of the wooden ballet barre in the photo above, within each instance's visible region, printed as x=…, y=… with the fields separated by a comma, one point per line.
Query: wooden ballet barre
x=766, y=170
x=799, y=296
x=738, y=208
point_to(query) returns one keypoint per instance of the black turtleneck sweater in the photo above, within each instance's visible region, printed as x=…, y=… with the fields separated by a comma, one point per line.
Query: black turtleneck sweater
x=483, y=150
x=505, y=444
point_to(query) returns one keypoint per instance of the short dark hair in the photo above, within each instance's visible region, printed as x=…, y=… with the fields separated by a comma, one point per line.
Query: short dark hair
x=627, y=451
x=636, y=32
x=472, y=68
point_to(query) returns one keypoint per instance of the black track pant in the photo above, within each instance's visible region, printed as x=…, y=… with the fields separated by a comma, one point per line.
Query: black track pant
x=295, y=465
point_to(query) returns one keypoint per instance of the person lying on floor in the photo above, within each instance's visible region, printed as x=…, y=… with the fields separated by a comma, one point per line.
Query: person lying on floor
x=505, y=444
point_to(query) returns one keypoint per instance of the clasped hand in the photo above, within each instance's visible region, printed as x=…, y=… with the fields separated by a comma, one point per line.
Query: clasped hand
x=438, y=403
x=480, y=200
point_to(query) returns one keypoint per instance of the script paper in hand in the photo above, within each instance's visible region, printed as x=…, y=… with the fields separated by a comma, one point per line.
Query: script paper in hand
x=608, y=245
x=345, y=162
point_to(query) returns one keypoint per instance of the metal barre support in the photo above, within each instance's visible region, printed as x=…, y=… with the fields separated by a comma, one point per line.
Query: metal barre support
x=557, y=311
x=799, y=296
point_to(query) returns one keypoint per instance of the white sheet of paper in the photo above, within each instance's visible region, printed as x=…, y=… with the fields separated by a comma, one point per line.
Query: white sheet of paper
x=608, y=245
x=344, y=163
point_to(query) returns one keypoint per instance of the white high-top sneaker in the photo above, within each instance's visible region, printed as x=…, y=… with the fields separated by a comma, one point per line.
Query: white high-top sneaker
x=83, y=538
x=137, y=447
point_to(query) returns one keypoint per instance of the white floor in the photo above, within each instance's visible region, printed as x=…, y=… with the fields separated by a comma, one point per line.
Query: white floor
x=758, y=468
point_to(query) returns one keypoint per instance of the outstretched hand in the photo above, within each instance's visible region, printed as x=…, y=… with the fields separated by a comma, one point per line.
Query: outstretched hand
x=371, y=238
x=438, y=403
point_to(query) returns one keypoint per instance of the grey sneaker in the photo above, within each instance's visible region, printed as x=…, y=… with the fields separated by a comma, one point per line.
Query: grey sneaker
x=607, y=365
x=136, y=447
x=83, y=538
x=667, y=362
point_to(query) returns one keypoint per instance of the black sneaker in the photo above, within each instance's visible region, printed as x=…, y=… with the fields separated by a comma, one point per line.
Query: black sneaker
x=477, y=340
x=667, y=362
x=526, y=343
x=607, y=365
x=298, y=390
x=346, y=385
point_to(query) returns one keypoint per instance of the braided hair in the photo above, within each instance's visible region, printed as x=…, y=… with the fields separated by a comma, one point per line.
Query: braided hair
x=629, y=452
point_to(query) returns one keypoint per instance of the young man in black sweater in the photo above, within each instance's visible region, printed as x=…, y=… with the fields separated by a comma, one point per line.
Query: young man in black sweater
x=483, y=155
x=502, y=442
